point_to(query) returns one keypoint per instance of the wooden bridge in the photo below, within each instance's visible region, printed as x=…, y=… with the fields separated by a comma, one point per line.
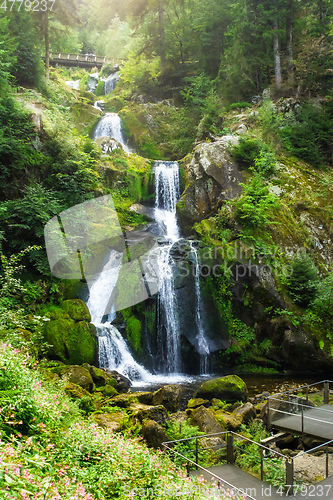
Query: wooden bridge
x=80, y=60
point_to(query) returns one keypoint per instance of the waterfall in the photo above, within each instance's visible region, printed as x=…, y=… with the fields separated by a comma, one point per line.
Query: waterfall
x=203, y=347
x=111, y=82
x=113, y=352
x=166, y=197
x=110, y=126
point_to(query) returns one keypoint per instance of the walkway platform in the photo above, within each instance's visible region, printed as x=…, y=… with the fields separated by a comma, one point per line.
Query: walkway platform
x=251, y=485
x=260, y=490
x=317, y=422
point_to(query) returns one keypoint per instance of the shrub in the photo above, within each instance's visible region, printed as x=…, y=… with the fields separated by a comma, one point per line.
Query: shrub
x=247, y=150
x=309, y=136
x=254, y=206
x=100, y=88
x=303, y=282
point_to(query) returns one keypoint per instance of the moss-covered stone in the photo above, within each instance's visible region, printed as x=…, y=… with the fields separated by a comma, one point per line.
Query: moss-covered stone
x=100, y=377
x=196, y=402
x=168, y=396
x=79, y=376
x=154, y=434
x=113, y=421
x=107, y=390
x=76, y=310
x=71, y=342
x=227, y=421
x=205, y=420
x=228, y=388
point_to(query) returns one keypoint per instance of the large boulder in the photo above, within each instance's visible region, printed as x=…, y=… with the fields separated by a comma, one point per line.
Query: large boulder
x=229, y=422
x=168, y=396
x=205, y=420
x=245, y=413
x=154, y=434
x=70, y=334
x=213, y=176
x=108, y=144
x=122, y=383
x=100, y=377
x=228, y=388
x=79, y=376
x=144, y=412
x=111, y=421
x=76, y=309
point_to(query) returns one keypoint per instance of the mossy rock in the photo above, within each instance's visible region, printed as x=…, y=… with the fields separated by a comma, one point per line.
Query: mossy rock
x=154, y=434
x=168, y=396
x=143, y=412
x=228, y=388
x=100, y=377
x=79, y=376
x=245, y=413
x=205, y=420
x=73, y=343
x=229, y=422
x=107, y=390
x=196, y=402
x=75, y=391
x=76, y=310
x=125, y=400
x=113, y=421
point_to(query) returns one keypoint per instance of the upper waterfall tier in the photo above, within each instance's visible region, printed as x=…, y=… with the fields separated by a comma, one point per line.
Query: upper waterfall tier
x=167, y=193
x=110, y=126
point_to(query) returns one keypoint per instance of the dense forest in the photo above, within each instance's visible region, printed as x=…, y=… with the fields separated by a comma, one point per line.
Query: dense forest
x=237, y=92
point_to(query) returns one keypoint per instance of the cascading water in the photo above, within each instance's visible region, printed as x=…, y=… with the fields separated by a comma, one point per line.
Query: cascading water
x=110, y=126
x=203, y=347
x=166, y=197
x=113, y=352
x=111, y=82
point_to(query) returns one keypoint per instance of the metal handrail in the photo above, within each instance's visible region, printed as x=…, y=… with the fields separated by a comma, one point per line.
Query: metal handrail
x=241, y=491
x=302, y=387
x=313, y=449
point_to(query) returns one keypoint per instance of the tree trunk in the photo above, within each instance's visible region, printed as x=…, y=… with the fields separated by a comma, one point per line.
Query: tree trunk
x=289, y=36
x=47, y=45
x=277, y=56
x=161, y=35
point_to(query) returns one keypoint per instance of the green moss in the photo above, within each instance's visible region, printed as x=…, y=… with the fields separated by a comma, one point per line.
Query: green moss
x=228, y=388
x=72, y=342
x=134, y=332
x=76, y=310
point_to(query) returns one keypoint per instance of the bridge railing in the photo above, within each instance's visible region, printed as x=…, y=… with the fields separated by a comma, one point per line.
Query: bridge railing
x=298, y=402
x=266, y=463
x=237, y=450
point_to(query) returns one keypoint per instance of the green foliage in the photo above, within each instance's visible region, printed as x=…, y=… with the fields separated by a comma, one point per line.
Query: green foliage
x=309, y=135
x=100, y=88
x=27, y=69
x=303, y=282
x=254, y=207
x=265, y=163
x=48, y=450
x=7, y=57
x=238, y=105
x=247, y=150
x=185, y=430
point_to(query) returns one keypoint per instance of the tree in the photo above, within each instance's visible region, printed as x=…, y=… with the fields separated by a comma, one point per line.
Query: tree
x=66, y=13
x=303, y=282
x=8, y=45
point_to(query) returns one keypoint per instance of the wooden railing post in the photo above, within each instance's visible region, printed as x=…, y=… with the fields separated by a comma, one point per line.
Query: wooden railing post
x=230, y=449
x=326, y=392
x=289, y=477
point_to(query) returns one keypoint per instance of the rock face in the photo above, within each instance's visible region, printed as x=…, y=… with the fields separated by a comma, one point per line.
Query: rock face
x=71, y=335
x=229, y=388
x=245, y=413
x=154, y=434
x=213, y=176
